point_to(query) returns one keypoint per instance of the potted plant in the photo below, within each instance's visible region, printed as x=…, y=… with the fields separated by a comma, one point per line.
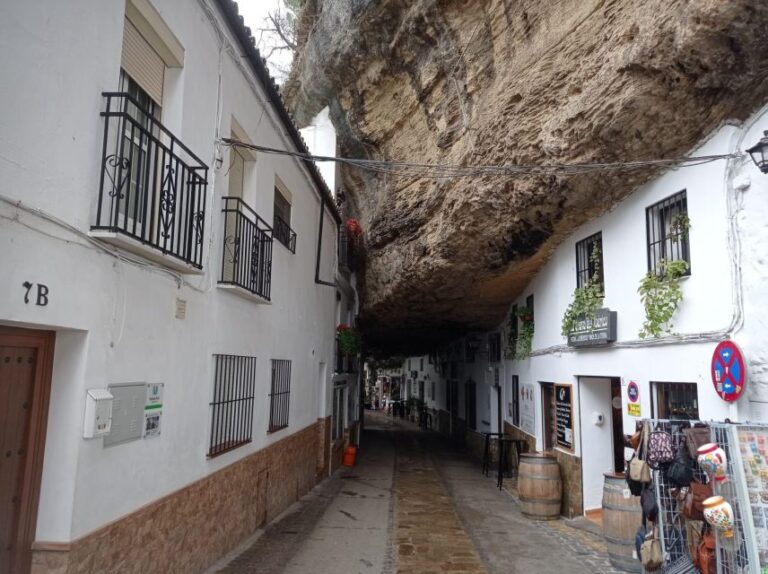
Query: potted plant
x=587, y=299
x=525, y=334
x=661, y=294
x=354, y=228
x=350, y=342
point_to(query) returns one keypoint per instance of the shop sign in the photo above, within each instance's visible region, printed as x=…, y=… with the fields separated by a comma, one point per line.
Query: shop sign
x=729, y=371
x=633, y=409
x=153, y=410
x=527, y=409
x=564, y=410
x=594, y=332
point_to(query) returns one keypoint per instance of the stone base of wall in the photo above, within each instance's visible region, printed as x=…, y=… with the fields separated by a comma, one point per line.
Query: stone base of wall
x=324, y=452
x=570, y=472
x=190, y=529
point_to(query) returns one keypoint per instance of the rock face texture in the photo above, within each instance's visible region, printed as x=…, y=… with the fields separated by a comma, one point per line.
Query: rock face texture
x=508, y=81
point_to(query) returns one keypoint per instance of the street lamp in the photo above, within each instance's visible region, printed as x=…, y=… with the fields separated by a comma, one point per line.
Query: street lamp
x=759, y=153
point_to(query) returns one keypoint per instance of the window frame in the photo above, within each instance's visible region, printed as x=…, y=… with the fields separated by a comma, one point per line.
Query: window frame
x=656, y=216
x=667, y=386
x=585, y=267
x=515, y=414
x=280, y=395
x=494, y=347
x=233, y=375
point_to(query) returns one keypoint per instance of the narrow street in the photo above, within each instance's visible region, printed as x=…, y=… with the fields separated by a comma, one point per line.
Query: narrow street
x=413, y=504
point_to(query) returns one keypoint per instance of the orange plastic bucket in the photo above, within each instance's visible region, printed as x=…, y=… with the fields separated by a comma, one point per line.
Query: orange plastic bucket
x=350, y=454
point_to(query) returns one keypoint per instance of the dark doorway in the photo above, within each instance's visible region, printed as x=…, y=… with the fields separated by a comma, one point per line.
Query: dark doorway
x=470, y=404
x=26, y=359
x=618, y=426
x=548, y=415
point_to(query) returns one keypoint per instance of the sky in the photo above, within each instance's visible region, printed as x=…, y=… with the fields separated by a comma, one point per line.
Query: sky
x=254, y=12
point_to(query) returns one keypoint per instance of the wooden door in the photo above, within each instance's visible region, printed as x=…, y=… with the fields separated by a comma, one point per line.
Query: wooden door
x=25, y=371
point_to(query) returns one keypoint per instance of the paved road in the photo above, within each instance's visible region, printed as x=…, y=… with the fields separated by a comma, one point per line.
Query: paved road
x=414, y=504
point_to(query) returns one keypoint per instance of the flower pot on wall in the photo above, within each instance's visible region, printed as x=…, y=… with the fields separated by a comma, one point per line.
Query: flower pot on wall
x=712, y=460
x=719, y=514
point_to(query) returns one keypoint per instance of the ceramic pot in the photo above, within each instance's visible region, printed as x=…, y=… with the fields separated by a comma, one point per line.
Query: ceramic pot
x=712, y=461
x=719, y=514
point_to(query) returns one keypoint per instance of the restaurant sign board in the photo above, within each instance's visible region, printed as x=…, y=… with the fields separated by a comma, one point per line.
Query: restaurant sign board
x=594, y=331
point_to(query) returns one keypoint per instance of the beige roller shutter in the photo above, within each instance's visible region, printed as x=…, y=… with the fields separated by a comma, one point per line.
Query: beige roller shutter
x=142, y=63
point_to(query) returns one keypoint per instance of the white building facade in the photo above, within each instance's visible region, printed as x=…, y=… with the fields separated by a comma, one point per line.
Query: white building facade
x=578, y=402
x=197, y=282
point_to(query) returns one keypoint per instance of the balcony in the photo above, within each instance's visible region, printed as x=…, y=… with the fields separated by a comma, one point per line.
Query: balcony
x=152, y=188
x=345, y=363
x=284, y=234
x=247, y=250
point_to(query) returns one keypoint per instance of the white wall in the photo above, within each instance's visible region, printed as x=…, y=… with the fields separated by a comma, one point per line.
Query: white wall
x=595, y=397
x=115, y=321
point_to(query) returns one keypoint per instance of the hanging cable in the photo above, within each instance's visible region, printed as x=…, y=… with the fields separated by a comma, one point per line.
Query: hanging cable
x=450, y=171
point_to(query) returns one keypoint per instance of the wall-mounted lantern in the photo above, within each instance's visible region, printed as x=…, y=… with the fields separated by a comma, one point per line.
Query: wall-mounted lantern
x=759, y=153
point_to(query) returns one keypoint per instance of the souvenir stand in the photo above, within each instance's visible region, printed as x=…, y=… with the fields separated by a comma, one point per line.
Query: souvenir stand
x=742, y=482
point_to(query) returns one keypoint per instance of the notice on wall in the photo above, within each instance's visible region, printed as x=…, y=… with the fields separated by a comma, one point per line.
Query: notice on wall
x=153, y=410
x=633, y=409
x=564, y=409
x=753, y=444
x=527, y=409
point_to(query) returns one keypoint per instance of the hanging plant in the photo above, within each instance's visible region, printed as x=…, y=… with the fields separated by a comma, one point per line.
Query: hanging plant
x=354, y=228
x=587, y=299
x=680, y=226
x=660, y=293
x=525, y=334
x=350, y=342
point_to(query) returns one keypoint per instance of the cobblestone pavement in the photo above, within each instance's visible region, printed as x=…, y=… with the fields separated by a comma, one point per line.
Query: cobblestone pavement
x=414, y=504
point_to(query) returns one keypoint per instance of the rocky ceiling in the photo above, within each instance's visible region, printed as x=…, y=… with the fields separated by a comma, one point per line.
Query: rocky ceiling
x=507, y=81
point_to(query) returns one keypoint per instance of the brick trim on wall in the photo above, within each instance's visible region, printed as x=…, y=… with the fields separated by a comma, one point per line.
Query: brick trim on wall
x=188, y=530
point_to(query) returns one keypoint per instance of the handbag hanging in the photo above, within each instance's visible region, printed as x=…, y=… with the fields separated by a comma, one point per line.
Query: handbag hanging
x=707, y=555
x=660, y=450
x=693, y=506
x=638, y=468
x=680, y=472
x=695, y=437
x=650, y=552
x=648, y=504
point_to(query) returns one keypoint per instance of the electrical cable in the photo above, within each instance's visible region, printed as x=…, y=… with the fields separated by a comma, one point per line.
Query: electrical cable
x=449, y=171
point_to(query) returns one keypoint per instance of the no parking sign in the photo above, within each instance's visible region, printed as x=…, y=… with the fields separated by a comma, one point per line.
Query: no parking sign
x=729, y=371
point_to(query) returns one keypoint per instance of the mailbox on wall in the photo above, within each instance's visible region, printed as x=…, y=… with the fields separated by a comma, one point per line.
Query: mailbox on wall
x=98, y=413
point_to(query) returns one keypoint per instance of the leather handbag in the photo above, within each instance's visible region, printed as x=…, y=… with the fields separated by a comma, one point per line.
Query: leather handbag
x=638, y=468
x=650, y=552
x=660, y=449
x=693, y=506
x=634, y=440
x=648, y=504
x=706, y=555
x=695, y=437
x=680, y=472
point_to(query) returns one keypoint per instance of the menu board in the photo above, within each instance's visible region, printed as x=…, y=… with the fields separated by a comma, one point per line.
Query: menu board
x=527, y=409
x=753, y=443
x=564, y=410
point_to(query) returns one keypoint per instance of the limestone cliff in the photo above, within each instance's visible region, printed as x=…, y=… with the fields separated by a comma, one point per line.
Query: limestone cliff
x=508, y=81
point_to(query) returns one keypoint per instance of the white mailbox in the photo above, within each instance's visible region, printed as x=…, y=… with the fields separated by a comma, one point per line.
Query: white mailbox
x=98, y=413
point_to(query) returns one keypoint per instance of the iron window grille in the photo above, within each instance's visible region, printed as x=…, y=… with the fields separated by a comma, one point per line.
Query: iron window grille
x=234, y=387
x=513, y=330
x=246, y=249
x=338, y=412
x=280, y=397
x=152, y=188
x=494, y=347
x=346, y=251
x=589, y=260
x=667, y=232
x=529, y=304
x=284, y=234
x=515, y=400
x=676, y=401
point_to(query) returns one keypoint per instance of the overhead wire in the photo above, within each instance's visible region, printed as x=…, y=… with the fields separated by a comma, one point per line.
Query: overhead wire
x=451, y=171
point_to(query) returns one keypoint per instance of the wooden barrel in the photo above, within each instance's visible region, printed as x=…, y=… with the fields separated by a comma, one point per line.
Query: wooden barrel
x=622, y=517
x=539, y=486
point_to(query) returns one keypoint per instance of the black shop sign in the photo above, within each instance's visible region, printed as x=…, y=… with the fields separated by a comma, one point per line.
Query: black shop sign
x=594, y=332
x=564, y=412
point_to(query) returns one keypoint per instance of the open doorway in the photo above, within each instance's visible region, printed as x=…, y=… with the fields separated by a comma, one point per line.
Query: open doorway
x=549, y=415
x=602, y=445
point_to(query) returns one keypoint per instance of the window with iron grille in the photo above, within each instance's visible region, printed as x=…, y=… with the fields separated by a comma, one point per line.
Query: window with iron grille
x=280, y=397
x=494, y=347
x=667, y=232
x=589, y=260
x=515, y=400
x=676, y=401
x=338, y=412
x=529, y=303
x=234, y=384
x=421, y=364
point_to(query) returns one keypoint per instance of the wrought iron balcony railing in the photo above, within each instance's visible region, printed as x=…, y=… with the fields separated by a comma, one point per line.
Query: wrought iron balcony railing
x=247, y=249
x=284, y=234
x=152, y=187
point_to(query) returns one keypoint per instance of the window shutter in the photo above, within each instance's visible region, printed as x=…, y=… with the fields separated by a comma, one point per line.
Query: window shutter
x=142, y=63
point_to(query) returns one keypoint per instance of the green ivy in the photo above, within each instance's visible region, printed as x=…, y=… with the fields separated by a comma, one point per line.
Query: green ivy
x=660, y=293
x=524, y=340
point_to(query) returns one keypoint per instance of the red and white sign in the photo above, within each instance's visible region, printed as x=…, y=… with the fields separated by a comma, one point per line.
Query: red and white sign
x=729, y=371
